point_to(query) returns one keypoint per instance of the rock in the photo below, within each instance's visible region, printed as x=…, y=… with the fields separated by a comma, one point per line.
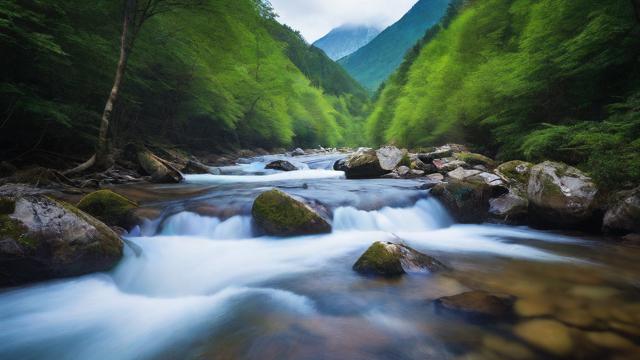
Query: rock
x=416, y=164
x=279, y=214
x=161, y=171
x=298, y=152
x=509, y=208
x=43, y=239
x=467, y=201
x=340, y=165
x=446, y=165
x=560, y=195
x=389, y=260
x=624, y=215
x=403, y=171
x=547, y=335
x=110, y=208
x=435, y=177
x=610, y=340
x=461, y=174
x=507, y=349
x=515, y=173
x=281, y=165
x=196, y=167
x=363, y=164
x=533, y=307
x=475, y=159
x=389, y=157
x=478, y=304
x=490, y=179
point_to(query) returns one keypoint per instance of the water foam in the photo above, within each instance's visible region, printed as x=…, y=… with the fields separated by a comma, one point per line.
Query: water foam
x=280, y=176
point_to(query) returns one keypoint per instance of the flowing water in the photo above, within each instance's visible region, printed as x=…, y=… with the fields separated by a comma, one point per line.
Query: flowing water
x=197, y=283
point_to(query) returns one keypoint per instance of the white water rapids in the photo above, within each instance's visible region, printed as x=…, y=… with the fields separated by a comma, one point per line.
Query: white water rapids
x=195, y=272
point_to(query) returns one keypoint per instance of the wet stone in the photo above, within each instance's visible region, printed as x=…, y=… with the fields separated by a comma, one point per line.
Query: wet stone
x=547, y=335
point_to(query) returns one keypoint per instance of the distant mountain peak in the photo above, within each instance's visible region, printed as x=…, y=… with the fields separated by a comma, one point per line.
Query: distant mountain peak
x=346, y=39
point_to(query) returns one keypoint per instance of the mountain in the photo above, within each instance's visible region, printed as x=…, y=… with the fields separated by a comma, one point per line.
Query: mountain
x=215, y=77
x=345, y=40
x=374, y=62
x=528, y=79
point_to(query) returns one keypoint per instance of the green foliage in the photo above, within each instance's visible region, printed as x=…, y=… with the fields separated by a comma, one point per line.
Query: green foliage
x=219, y=76
x=532, y=79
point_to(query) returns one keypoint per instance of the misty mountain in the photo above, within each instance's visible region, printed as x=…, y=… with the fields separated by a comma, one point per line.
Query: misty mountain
x=346, y=39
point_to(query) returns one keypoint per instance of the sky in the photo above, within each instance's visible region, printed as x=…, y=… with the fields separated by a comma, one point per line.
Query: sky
x=315, y=18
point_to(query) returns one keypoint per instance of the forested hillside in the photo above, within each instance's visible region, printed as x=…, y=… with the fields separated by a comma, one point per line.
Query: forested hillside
x=532, y=79
x=372, y=64
x=219, y=75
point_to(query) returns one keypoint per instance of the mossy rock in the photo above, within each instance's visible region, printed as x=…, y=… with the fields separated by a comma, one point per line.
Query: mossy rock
x=387, y=259
x=277, y=213
x=110, y=208
x=45, y=238
x=363, y=164
x=475, y=159
x=516, y=172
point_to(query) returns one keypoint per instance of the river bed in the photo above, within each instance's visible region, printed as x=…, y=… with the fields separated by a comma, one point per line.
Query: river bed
x=197, y=283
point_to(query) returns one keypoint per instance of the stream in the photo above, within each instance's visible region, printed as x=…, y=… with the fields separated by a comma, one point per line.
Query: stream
x=197, y=283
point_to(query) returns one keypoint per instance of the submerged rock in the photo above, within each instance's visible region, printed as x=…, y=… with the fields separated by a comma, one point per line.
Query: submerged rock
x=279, y=214
x=479, y=304
x=548, y=335
x=389, y=260
x=389, y=157
x=110, y=208
x=363, y=164
x=624, y=215
x=281, y=165
x=467, y=201
x=41, y=238
x=561, y=195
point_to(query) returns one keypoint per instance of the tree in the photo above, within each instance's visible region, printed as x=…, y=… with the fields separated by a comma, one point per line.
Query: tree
x=135, y=14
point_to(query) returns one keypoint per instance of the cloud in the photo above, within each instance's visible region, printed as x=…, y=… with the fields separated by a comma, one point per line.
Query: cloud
x=315, y=18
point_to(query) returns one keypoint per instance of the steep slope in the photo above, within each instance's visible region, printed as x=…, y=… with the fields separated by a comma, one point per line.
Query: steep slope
x=212, y=78
x=346, y=40
x=532, y=79
x=374, y=62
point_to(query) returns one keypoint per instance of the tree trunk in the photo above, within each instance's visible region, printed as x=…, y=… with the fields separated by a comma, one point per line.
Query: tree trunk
x=103, y=150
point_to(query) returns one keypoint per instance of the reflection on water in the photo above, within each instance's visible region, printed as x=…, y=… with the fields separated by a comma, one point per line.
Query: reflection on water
x=205, y=287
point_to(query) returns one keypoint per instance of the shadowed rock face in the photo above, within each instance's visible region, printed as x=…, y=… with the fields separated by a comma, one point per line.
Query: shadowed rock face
x=363, y=164
x=390, y=260
x=41, y=238
x=561, y=195
x=624, y=214
x=467, y=201
x=279, y=214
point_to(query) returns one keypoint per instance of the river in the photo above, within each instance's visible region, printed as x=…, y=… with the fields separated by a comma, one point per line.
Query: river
x=199, y=284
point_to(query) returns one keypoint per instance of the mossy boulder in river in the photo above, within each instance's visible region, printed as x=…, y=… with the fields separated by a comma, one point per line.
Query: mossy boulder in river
x=561, y=195
x=42, y=238
x=111, y=208
x=390, y=260
x=516, y=173
x=475, y=159
x=279, y=214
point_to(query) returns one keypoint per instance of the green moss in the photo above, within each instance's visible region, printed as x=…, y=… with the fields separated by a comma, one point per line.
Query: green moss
x=109, y=207
x=110, y=245
x=7, y=205
x=475, y=159
x=406, y=160
x=511, y=171
x=279, y=214
x=377, y=260
x=15, y=230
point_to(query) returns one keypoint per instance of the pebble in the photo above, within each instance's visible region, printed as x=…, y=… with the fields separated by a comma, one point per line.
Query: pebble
x=576, y=317
x=507, y=349
x=610, y=340
x=533, y=307
x=548, y=335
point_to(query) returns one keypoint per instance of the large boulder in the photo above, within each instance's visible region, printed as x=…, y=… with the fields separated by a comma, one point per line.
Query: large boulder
x=281, y=165
x=467, y=201
x=110, y=208
x=390, y=157
x=561, y=195
x=42, y=238
x=623, y=216
x=279, y=214
x=363, y=164
x=480, y=305
x=390, y=260
x=511, y=208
